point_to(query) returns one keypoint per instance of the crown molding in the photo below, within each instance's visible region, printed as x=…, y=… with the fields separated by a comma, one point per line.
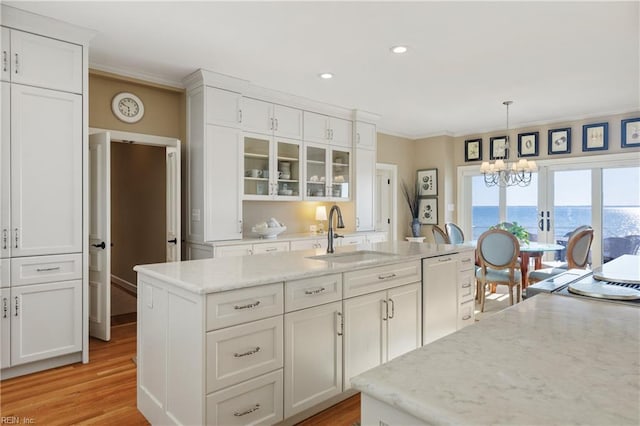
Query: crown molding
x=141, y=77
x=215, y=79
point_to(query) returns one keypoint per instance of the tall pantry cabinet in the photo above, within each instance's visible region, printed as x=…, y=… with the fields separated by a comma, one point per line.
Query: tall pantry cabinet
x=43, y=250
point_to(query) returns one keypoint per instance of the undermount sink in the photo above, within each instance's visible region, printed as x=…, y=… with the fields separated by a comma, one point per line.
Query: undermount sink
x=353, y=256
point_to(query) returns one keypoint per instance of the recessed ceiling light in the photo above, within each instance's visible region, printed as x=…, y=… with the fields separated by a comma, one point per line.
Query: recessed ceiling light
x=399, y=49
x=326, y=75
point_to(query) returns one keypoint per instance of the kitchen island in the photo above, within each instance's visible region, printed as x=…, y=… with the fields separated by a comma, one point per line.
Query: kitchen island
x=549, y=360
x=272, y=337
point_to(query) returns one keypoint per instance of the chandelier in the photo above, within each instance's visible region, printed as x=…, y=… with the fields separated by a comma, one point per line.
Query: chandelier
x=505, y=173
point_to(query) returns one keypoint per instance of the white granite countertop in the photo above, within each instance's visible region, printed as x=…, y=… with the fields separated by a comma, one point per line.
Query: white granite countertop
x=229, y=273
x=549, y=360
x=254, y=238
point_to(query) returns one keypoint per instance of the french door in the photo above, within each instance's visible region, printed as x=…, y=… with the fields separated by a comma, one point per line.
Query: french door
x=601, y=191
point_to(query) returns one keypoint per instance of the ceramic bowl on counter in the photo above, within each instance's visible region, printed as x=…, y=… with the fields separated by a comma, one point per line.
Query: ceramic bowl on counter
x=269, y=232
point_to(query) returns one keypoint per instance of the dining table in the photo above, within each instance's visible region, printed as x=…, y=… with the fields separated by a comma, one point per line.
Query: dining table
x=531, y=250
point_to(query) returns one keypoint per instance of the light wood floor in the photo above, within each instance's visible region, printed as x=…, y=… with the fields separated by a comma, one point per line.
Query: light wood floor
x=103, y=392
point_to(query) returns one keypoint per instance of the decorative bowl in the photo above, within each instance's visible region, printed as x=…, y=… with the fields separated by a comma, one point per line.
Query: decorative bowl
x=269, y=232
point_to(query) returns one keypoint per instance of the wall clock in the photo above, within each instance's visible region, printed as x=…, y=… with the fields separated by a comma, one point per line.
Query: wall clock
x=127, y=107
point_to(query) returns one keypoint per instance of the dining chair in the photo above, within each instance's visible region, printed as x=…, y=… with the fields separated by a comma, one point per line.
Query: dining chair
x=439, y=236
x=578, y=248
x=497, y=252
x=454, y=232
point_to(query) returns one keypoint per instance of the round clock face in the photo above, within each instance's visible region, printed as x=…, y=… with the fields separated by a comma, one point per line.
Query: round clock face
x=127, y=107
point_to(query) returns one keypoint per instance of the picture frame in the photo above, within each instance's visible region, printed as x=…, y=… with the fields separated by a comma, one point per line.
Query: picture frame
x=473, y=150
x=428, y=211
x=427, y=182
x=528, y=144
x=595, y=137
x=498, y=148
x=630, y=132
x=559, y=141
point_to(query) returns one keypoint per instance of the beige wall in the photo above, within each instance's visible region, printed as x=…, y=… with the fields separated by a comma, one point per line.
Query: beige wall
x=138, y=207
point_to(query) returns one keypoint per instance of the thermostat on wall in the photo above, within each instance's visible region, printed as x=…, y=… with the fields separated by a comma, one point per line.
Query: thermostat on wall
x=127, y=107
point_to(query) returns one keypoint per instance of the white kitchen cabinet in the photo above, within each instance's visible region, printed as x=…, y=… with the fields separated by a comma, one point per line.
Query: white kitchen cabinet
x=376, y=237
x=233, y=250
x=42, y=61
x=46, y=171
x=5, y=71
x=5, y=168
x=327, y=173
x=380, y=326
x=271, y=119
x=272, y=168
x=5, y=273
x=313, y=350
x=351, y=240
x=439, y=297
x=365, y=176
x=365, y=135
x=315, y=243
x=271, y=247
x=223, y=107
x=46, y=321
x=324, y=129
x=5, y=327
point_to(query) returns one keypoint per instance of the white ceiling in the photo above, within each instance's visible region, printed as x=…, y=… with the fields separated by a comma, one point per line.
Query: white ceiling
x=557, y=61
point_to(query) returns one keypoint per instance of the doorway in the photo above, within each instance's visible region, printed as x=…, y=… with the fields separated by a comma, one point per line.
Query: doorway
x=386, y=207
x=134, y=218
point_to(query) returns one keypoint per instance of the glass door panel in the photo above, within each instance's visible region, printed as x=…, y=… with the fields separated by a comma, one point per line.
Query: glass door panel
x=316, y=172
x=288, y=173
x=620, y=212
x=485, y=210
x=341, y=173
x=257, y=166
x=522, y=206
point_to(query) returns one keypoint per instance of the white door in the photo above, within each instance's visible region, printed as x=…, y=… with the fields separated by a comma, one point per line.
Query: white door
x=173, y=204
x=46, y=178
x=100, y=236
x=46, y=321
x=365, y=334
x=405, y=320
x=383, y=200
x=439, y=298
x=365, y=185
x=5, y=170
x=313, y=349
x=5, y=327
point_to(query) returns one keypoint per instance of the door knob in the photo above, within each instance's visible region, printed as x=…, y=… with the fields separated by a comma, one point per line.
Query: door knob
x=102, y=245
x=174, y=241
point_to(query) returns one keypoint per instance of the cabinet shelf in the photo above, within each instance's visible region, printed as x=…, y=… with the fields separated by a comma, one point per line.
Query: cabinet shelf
x=288, y=159
x=340, y=165
x=256, y=178
x=315, y=183
x=252, y=155
x=288, y=180
x=315, y=162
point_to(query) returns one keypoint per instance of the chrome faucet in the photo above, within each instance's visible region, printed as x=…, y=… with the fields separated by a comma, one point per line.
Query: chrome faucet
x=330, y=233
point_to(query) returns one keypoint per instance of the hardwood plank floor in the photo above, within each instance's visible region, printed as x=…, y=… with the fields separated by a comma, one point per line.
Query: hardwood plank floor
x=103, y=392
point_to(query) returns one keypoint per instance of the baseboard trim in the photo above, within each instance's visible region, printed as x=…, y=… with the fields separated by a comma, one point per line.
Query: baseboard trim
x=125, y=285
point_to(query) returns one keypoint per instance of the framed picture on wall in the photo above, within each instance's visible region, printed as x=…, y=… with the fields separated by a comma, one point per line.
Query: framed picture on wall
x=428, y=211
x=528, y=144
x=595, y=137
x=427, y=182
x=630, y=132
x=498, y=148
x=473, y=150
x=559, y=141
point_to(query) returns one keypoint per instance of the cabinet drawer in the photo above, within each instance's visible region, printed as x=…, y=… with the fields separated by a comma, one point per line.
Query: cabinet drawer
x=300, y=294
x=42, y=269
x=255, y=402
x=239, y=353
x=467, y=286
x=466, y=314
x=240, y=306
x=380, y=278
x=234, y=250
x=308, y=244
x=352, y=240
x=5, y=273
x=466, y=261
x=270, y=247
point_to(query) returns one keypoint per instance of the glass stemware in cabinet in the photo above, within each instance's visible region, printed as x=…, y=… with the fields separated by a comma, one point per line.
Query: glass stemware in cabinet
x=340, y=172
x=288, y=169
x=256, y=166
x=316, y=173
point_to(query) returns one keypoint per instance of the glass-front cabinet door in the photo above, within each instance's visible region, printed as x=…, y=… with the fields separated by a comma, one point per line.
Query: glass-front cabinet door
x=287, y=176
x=316, y=172
x=257, y=167
x=340, y=174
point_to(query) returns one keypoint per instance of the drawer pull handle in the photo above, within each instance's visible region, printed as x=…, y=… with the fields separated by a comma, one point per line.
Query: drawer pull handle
x=272, y=249
x=386, y=277
x=250, y=352
x=16, y=313
x=5, y=237
x=5, y=307
x=393, y=308
x=53, y=268
x=466, y=260
x=339, y=323
x=466, y=317
x=249, y=306
x=4, y=61
x=249, y=411
x=444, y=260
x=316, y=291
x=467, y=285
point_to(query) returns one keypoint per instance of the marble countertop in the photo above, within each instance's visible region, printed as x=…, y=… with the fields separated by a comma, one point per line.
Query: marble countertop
x=229, y=273
x=254, y=238
x=549, y=360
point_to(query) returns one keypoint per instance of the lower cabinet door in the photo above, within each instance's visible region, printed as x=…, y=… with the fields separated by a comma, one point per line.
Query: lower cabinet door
x=254, y=402
x=46, y=320
x=313, y=356
x=365, y=334
x=5, y=328
x=405, y=320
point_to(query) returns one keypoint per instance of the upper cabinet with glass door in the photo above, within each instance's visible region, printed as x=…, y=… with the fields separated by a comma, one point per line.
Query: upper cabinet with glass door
x=271, y=168
x=328, y=173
